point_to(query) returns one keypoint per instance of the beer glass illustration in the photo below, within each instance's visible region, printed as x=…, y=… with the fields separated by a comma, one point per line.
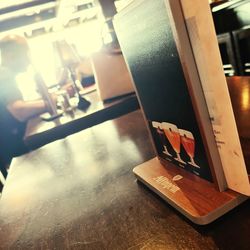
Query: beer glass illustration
x=188, y=142
x=162, y=136
x=172, y=133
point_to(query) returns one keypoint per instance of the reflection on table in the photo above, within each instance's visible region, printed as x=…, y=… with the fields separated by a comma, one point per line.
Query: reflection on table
x=239, y=90
x=80, y=193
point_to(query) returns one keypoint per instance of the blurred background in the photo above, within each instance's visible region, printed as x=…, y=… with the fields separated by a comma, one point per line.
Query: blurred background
x=83, y=25
x=86, y=27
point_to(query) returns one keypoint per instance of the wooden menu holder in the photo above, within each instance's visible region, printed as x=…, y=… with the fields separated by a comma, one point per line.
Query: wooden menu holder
x=173, y=58
x=195, y=198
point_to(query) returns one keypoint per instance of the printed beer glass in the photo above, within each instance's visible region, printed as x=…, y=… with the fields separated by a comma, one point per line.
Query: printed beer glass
x=172, y=133
x=188, y=142
x=162, y=136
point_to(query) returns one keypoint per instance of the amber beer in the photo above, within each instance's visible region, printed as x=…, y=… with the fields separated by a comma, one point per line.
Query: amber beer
x=172, y=133
x=188, y=142
x=162, y=136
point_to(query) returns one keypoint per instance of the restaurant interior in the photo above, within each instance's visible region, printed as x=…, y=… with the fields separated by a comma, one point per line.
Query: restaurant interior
x=75, y=187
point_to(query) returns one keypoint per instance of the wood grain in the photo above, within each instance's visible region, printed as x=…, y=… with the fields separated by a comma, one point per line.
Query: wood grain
x=80, y=193
x=239, y=90
x=194, y=197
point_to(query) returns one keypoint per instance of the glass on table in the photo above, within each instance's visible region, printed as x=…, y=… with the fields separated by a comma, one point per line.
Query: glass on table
x=64, y=100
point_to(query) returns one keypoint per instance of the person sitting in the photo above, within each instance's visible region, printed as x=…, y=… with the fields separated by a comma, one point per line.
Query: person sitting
x=14, y=111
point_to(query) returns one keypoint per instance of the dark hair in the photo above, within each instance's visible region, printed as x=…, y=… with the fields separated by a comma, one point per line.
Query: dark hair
x=13, y=42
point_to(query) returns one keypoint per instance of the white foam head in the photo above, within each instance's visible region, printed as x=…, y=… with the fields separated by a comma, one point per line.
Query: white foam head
x=156, y=124
x=186, y=133
x=168, y=126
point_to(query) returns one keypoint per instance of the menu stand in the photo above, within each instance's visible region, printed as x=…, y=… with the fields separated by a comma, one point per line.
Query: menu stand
x=192, y=196
x=174, y=63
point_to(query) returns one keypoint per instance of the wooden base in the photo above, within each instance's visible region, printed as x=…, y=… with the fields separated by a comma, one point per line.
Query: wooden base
x=194, y=197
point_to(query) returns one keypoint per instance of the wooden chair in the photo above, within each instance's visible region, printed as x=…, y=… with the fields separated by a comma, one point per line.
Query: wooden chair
x=111, y=75
x=3, y=175
x=227, y=54
x=242, y=49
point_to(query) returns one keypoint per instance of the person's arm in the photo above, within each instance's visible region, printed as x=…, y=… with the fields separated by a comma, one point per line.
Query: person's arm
x=24, y=110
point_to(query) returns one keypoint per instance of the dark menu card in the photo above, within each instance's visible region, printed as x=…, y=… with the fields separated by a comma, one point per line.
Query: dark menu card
x=147, y=41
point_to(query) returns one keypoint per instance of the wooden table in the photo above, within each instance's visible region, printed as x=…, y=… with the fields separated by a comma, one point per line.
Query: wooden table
x=39, y=132
x=80, y=193
x=239, y=89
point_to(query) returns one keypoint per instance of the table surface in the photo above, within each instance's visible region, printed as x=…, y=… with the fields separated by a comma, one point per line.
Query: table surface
x=80, y=193
x=39, y=132
x=239, y=90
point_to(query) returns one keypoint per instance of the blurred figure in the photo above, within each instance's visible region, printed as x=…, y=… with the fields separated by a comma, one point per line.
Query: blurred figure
x=109, y=10
x=14, y=111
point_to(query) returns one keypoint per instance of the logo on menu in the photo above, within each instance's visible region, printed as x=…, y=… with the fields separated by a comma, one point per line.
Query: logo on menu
x=167, y=183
